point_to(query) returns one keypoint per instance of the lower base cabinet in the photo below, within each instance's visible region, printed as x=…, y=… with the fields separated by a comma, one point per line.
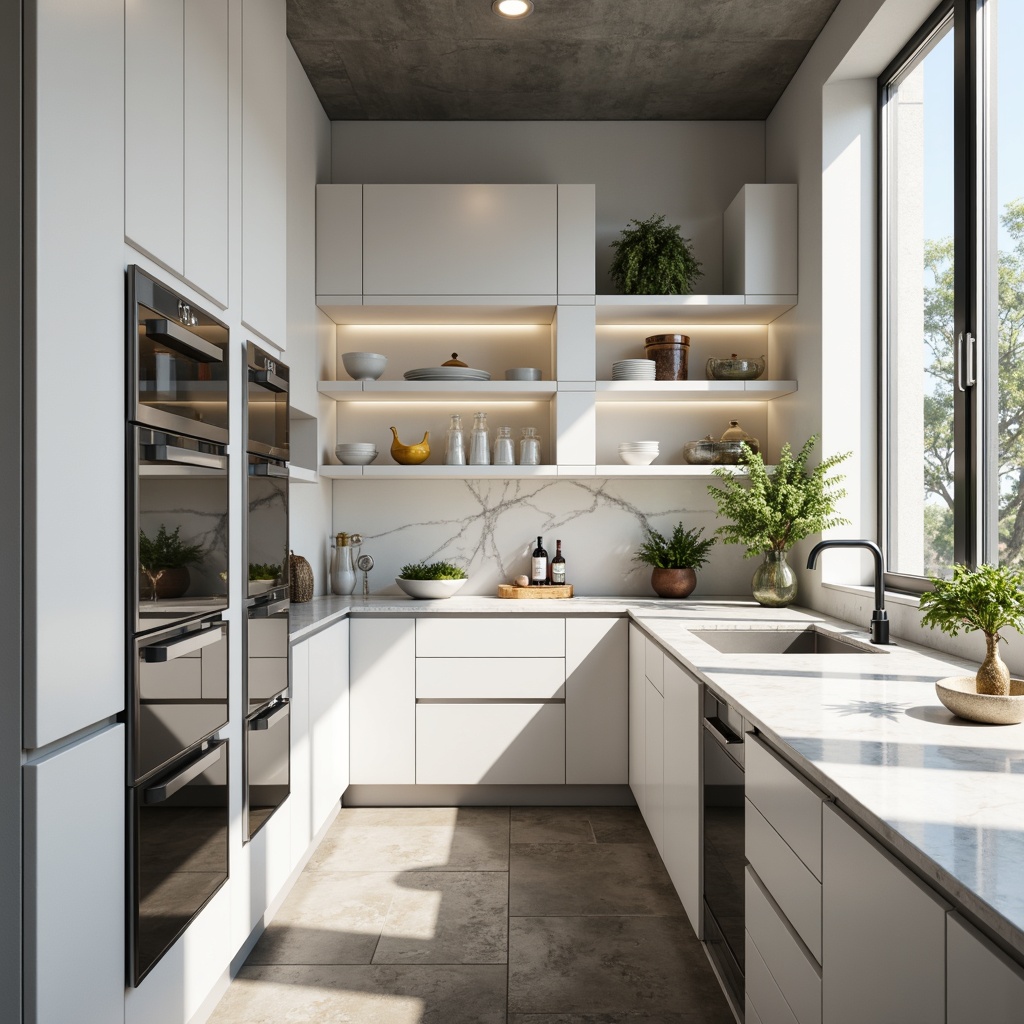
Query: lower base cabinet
x=328, y=720
x=637, y=701
x=654, y=753
x=982, y=983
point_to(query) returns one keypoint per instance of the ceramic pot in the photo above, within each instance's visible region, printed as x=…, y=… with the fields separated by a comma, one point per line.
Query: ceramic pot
x=170, y=583
x=410, y=454
x=959, y=695
x=673, y=582
x=774, y=582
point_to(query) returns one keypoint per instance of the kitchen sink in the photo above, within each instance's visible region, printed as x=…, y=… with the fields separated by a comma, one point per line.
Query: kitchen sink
x=780, y=641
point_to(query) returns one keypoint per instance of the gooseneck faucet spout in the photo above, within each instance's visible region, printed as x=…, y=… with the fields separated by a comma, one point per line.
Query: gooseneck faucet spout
x=879, y=617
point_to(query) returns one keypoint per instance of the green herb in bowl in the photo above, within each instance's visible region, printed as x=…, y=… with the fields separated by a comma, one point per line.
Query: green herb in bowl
x=433, y=571
x=431, y=580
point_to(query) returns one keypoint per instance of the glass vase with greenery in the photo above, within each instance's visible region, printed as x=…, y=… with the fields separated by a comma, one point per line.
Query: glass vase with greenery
x=653, y=258
x=674, y=562
x=771, y=509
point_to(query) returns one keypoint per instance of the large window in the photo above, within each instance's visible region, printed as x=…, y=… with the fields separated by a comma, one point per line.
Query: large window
x=953, y=292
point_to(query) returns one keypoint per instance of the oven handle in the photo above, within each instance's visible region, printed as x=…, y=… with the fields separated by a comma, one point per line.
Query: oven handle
x=271, y=717
x=267, y=469
x=264, y=611
x=166, y=789
x=177, y=647
x=271, y=381
x=723, y=734
x=182, y=341
x=183, y=456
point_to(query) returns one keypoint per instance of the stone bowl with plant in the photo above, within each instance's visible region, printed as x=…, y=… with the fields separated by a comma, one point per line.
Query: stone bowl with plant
x=431, y=580
x=674, y=562
x=989, y=599
x=164, y=561
x=652, y=258
x=771, y=509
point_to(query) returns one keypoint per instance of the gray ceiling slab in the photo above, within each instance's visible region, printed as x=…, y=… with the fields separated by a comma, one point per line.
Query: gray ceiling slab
x=587, y=60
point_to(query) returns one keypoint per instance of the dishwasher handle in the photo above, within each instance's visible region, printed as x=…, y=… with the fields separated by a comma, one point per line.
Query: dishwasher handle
x=166, y=789
x=729, y=740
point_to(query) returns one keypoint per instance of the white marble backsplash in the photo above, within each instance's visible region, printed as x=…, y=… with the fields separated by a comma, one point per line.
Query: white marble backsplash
x=490, y=527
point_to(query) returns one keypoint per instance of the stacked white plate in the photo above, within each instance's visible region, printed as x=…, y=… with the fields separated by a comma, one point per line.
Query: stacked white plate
x=356, y=453
x=633, y=369
x=448, y=373
x=638, y=453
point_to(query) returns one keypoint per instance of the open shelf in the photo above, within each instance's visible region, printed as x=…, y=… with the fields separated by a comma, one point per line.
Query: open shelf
x=301, y=475
x=395, y=472
x=695, y=310
x=693, y=390
x=438, y=391
x=438, y=309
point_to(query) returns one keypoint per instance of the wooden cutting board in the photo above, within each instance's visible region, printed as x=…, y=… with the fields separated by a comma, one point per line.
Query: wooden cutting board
x=534, y=593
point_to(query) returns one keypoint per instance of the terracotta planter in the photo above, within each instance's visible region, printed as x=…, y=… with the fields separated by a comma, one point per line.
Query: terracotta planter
x=673, y=582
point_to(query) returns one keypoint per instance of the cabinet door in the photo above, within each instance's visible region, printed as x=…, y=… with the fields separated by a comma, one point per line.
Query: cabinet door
x=75, y=883
x=682, y=849
x=460, y=239
x=328, y=720
x=637, y=716
x=654, y=784
x=596, y=701
x=301, y=810
x=383, y=702
x=205, y=104
x=264, y=168
x=982, y=983
x=154, y=127
x=339, y=240
x=883, y=933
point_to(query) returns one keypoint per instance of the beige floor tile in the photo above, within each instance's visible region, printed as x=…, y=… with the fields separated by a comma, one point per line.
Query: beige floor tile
x=566, y=879
x=551, y=825
x=364, y=995
x=587, y=965
x=329, y=919
x=447, y=917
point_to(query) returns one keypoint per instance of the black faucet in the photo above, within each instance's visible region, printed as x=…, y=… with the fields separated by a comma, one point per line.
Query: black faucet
x=879, y=618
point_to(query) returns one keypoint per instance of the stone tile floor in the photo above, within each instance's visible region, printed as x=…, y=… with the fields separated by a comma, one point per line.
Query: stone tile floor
x=480, y=915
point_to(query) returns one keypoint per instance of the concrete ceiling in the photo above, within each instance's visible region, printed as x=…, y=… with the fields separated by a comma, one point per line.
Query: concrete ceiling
x=591, y=60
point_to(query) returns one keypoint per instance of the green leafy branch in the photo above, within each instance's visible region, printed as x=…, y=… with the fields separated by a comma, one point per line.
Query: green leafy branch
x=653, y=258
x=684, y=550
x=432, y=571
x=987, y=599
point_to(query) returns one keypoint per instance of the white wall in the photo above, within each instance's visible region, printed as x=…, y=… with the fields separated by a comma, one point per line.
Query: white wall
x=688, y=170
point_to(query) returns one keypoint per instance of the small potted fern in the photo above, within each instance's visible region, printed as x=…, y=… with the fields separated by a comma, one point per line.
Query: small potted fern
x=653, y=258
x=674, y=562
x=426, y=580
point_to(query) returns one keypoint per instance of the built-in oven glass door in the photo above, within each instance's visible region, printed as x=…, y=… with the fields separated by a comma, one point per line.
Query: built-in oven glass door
x=267, y=763
x=266, y=526
x=178, y=357
x=267, y=385
x=178, y=528
x=179, y=831
x=266, y=653
x=179, y=693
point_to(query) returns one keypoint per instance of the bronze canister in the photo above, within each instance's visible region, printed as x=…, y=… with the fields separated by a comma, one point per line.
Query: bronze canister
x=670, y=353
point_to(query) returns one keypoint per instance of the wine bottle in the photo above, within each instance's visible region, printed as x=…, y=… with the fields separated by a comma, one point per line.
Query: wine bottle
x=558, y=566
x=539, y=565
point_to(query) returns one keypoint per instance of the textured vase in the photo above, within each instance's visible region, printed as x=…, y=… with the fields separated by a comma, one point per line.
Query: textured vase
x=673, y=582
x=774, y=582
x=993, y=675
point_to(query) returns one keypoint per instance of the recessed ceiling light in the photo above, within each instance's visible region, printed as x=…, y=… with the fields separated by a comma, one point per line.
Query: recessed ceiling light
x=514, y=9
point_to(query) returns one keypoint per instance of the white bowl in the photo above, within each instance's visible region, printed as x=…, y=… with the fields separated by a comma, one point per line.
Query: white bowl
x=638, y=458
x=356, y=458
x=356, y=446
x=430, y=589
x=523, y=373
x=364, y=365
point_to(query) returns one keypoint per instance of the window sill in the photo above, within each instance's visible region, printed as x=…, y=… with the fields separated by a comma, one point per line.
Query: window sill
x=891, y=596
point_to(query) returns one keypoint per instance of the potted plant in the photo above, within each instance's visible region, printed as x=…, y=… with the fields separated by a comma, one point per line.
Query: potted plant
x=264, y=575
x=164, y=560
x=431, y=579
x=653, y=258
x=989, y=598
x=674, y=562
x=773, y=509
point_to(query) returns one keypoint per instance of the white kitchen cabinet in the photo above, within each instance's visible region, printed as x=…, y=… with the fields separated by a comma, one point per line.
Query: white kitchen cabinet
x=301, y=781
x=490, y=679
x=596, y=701
x=75, y=909
x=506, y=637
x=577, y=229
x=383, y=701
x=328, y=720
x=654, y=771
x=759, y=245
x=339, y=241
x=654, y=665
x=763, y=995
x=682, y=789
x=497, y=744
x=883, y=933
x=637, y=715
x=176, y=137
x=460, y=240
x=264, y=169
x=982, y=983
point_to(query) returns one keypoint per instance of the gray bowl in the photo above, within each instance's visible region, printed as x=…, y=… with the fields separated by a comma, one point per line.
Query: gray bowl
x=523, y=373
x=364, y=365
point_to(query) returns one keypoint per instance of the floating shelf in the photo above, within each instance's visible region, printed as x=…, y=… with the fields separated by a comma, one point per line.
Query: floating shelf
x=301, y=475
x=438, y=390
x=394, y=472
x=696, y=310
x=693, y=390
x=438, y=309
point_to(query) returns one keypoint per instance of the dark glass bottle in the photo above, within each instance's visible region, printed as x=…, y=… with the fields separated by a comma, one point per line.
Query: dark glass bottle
x=539, y=565
x=558, y=566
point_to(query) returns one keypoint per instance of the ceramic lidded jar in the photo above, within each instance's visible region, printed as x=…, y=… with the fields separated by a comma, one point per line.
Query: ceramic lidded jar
x=670, y=353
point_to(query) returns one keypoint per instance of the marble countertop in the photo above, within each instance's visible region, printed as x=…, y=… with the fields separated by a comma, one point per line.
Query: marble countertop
x=946, y=794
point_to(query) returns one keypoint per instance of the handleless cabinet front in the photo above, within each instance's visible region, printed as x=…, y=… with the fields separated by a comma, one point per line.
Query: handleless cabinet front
x=637, y=715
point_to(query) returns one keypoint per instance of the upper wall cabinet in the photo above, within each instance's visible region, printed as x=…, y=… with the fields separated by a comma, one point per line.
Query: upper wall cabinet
x=264, y=168
x=760, y=241
x=176, y=137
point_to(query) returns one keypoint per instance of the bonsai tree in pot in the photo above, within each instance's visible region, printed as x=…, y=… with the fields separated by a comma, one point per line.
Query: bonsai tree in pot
x=164, y=559
x=674, y=562
x=770, y=510
x=988, y=598
x=653, y=258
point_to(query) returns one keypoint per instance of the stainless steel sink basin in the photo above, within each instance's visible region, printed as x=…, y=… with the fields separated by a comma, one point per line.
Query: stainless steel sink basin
x=780, y=641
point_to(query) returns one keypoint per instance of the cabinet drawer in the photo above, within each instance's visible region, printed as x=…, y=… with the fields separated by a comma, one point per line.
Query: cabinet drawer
x=498, y=744
x=490, y=678
x=785, y=876
x=791, y=806
x=654, y=665
x=796, y=974
x=506, y=637
x=762, y=992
